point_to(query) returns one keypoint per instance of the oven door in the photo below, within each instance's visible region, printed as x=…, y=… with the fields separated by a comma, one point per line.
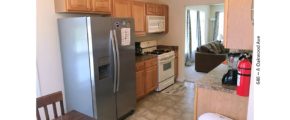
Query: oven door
x=166, y=69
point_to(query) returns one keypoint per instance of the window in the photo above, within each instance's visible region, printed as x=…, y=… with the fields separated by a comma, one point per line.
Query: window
x=194, y=28
x=220, y=26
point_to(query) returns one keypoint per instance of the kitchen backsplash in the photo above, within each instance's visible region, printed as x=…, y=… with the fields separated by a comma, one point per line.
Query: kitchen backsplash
x=149, y=37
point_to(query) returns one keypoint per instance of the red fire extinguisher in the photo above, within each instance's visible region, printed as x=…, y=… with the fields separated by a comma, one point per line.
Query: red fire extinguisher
x=244, y=76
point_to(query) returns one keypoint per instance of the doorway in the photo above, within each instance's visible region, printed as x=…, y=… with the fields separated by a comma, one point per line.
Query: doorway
x=204, y=24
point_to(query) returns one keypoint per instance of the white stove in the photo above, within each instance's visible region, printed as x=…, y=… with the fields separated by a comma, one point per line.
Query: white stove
x=165, y=70
x=165, y=63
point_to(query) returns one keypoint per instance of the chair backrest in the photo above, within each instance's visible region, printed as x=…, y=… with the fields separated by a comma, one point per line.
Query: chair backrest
x=43, y=101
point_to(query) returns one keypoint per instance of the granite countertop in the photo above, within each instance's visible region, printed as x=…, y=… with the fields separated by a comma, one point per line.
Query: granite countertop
x=144, y=57
x=167, y=47
x=213, y=80
x=149, y=56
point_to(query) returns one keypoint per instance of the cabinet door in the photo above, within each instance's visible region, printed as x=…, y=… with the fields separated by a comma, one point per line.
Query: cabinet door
x=166, y=14
x=150, y=9
x=138, y=13
x=159, y=10
x=102, y=6
x=78, y=5
x=151, y=79
x=140, y=91
x=122, y=8
x=154, y=9
x=238, y=30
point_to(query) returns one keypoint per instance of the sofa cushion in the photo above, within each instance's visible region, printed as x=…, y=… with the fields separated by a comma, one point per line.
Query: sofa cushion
x=215, y=47
x=219, y=47
x=206, y=49
x=223, y=49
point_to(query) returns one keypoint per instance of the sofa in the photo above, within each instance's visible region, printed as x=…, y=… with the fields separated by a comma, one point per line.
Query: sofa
x=209, y=56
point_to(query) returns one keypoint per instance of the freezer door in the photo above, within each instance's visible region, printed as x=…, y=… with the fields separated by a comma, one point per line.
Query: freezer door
x=103, y=60
x=126, y=98
x=76, y=64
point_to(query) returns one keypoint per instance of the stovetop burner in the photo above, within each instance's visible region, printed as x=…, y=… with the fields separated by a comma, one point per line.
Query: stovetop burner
x=160, y=51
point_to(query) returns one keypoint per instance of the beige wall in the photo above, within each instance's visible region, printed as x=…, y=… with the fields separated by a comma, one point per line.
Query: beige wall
x=176, y=34
x=48, y=53
x=49, y=65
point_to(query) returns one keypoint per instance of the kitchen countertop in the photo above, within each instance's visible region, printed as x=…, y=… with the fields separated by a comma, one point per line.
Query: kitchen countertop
x=175, y=48
x=149, y=56
x=213, y=80
x=144, y=57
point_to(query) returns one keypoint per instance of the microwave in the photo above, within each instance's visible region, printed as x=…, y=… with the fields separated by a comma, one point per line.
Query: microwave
x=155, y=24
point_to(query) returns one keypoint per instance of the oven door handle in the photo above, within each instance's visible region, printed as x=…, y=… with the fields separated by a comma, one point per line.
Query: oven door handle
x=166, y=61
x=167, y=58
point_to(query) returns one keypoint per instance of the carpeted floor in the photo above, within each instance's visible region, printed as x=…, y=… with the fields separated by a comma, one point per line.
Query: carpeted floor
x=191, y=75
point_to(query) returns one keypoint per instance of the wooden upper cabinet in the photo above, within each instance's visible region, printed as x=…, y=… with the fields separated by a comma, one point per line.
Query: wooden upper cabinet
x=159, y=10
x=83, y=6
x=154, y=9
x=102, y=6
x=150, y=9
x=78, y=5
x=166, y=14
x=238, y=27
x=122, y=8
x=139, y=16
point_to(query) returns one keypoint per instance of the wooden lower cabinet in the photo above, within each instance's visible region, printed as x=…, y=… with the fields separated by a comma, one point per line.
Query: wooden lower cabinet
x=146, y=77
x=151, y=79
x=140, y=88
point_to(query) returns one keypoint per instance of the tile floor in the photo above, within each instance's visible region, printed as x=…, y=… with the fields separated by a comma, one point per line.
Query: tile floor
x=162, y=106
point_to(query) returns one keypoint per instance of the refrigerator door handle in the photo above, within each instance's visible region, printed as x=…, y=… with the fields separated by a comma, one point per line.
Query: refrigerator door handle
x=118, y=59
x=115, y=61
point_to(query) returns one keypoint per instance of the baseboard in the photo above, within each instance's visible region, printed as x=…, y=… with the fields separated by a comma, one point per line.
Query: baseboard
x=180, y=79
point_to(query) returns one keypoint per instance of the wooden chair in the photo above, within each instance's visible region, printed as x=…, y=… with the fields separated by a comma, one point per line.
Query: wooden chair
x=43, y=101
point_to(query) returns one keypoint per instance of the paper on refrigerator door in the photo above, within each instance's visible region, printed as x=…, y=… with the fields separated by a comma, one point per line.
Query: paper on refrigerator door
x=125, y=36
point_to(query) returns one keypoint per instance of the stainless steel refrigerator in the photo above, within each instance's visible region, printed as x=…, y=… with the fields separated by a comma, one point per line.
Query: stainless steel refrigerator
x=98, y=60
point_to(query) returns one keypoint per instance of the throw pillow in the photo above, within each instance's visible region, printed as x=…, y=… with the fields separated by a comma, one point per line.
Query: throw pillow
x=218, y=47
x=213, y=47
